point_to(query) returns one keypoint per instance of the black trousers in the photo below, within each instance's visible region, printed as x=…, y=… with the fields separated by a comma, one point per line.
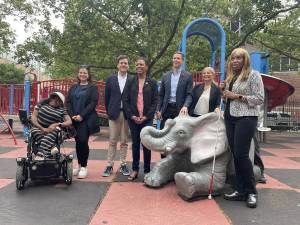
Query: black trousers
x=170, y=113
x=135, y=130
x=82, y=142
x=240, y=131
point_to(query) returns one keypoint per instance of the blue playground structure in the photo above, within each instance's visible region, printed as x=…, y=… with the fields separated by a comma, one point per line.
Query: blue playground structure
x=214, y=33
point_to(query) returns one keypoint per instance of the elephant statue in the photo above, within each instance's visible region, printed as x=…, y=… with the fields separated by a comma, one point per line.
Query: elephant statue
x=190, y=144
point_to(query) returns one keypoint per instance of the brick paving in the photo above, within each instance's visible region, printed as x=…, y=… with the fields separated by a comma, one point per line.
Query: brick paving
x=115, y=201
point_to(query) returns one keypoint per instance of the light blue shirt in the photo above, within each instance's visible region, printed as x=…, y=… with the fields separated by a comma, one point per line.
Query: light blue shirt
x=174, y=82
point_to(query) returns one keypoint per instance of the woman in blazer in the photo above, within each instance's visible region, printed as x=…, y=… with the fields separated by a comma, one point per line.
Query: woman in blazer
x=206, y=97
x=244, y=91
x=139, y=105
x=81, y=104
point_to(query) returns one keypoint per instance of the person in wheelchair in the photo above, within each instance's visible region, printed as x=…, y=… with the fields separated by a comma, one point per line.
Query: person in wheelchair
x=47, y=118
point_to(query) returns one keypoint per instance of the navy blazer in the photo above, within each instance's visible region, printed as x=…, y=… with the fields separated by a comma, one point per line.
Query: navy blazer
x=214, y=97
x=113, y=96
x=150, y=97
x=183, y=92
x=88, y=111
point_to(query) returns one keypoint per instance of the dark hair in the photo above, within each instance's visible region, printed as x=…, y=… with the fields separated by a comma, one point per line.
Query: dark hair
x=52, y=97
x=144, y=59
x=120, y=57
x=180, y=53
x=88, y=68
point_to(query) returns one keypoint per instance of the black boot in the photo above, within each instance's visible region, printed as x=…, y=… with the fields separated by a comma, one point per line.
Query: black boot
x=235, y=196
x=252, y=201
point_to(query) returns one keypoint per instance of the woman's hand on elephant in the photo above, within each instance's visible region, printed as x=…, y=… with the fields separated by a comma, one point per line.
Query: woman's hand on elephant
x=184, y=110
x=217, y=110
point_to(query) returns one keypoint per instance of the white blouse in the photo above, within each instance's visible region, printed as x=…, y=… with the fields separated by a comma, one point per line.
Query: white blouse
x=202, y=106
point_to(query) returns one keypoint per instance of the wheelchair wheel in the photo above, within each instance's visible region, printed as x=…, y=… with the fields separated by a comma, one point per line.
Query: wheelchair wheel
x=20, y=177
x=68, y=172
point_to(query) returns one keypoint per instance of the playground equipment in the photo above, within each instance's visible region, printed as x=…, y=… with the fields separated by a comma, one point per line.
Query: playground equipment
x=214, y=33
x=5, y=126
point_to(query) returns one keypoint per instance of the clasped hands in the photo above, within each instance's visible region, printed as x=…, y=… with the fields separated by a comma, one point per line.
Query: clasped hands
x=138, y=120
x=226, y=93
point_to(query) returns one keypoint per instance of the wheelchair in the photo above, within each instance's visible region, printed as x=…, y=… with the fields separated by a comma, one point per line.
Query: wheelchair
x=54, y=167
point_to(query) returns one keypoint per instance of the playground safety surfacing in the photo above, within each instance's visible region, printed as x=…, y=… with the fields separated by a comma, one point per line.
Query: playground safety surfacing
x=116, y=201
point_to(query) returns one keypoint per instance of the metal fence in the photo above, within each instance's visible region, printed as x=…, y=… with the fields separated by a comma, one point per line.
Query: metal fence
x=285, y=117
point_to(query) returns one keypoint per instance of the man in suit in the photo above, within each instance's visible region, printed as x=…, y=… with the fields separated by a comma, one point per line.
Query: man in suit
x=118, y=126
x=175, y=91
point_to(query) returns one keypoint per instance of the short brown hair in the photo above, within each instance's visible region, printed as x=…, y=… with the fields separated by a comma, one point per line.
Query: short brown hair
x=179, y=53
x=120, y=57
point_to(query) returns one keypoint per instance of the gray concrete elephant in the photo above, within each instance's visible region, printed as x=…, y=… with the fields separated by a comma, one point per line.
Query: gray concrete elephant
x=190, y=144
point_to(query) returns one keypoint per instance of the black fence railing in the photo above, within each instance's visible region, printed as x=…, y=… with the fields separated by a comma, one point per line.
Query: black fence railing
x=285, y=117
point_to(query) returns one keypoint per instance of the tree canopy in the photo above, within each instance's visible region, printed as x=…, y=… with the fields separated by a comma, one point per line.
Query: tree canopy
x=97, y=31
x=10, y=74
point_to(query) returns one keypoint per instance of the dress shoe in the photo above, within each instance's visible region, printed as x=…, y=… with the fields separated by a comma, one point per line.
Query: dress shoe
x=235, y=196
x=133, y=175
x=262, y=179
x=252, y=200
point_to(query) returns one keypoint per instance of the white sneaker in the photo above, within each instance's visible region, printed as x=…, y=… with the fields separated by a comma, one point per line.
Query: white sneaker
x=82, y=173
x=76, y=171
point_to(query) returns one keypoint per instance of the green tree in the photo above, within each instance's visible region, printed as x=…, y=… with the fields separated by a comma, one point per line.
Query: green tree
x=95, y=32
x=18, y=8
x=281, y=37
x=10, y=74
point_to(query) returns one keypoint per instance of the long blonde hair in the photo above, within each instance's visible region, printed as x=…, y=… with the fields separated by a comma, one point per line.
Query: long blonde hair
x=246, y=67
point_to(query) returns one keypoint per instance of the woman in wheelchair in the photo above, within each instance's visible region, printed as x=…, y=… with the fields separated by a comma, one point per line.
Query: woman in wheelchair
x=47, y=117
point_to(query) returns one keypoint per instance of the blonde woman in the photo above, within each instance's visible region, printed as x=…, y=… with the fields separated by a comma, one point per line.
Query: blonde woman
x=243, y=92
x=206, y=96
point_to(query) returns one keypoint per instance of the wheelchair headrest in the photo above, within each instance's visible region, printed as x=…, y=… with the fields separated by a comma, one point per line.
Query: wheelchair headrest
x=23, y=116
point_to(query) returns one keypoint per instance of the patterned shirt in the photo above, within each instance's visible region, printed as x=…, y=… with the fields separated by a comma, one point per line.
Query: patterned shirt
x=48, y=115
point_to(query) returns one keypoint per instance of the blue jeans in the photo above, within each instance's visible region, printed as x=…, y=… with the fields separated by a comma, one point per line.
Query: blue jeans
x=135, y=130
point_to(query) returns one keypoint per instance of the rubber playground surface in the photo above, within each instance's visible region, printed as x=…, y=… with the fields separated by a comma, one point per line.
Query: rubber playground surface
x=116, y=201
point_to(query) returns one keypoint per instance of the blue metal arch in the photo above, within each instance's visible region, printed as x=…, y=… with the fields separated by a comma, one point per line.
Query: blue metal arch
x=215, y=41
x=212, y=44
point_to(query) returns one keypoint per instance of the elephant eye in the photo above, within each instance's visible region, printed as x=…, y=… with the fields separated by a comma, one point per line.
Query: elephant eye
x=181, y=133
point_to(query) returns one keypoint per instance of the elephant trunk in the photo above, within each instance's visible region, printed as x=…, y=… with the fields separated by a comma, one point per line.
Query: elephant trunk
x=153, y=139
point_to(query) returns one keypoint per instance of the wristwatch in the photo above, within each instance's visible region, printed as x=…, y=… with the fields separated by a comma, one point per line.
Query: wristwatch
x=241, y=97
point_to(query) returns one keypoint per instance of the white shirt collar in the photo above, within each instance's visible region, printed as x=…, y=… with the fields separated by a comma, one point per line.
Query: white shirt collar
x=122, y=76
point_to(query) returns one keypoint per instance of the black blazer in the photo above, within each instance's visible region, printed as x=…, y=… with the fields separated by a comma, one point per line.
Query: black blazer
x=88, y=111
x=150, y=97
x=113, y=96
x=183, y=92
x=214, y=97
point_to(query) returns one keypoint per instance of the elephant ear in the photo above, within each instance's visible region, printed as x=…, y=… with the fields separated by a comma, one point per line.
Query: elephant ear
x=209, y=138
